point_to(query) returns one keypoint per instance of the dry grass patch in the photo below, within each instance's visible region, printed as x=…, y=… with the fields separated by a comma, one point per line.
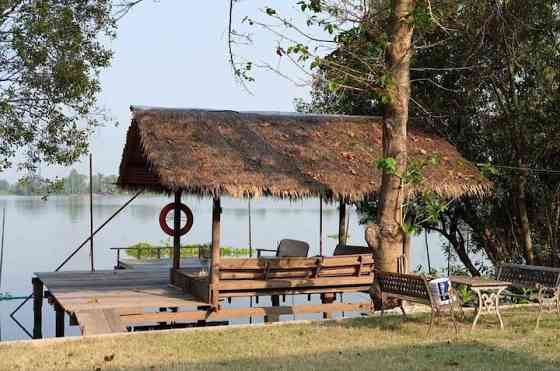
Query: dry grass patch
x=358, y=344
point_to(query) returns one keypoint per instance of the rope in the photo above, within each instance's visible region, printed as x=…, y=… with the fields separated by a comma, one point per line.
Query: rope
x=535, y=170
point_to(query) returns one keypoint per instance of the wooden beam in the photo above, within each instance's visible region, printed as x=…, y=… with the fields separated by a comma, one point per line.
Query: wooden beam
x=244, y=312
x=342, y=230
x=215, y=267
x=37, y=308
x=59, y=320
x=176, y=231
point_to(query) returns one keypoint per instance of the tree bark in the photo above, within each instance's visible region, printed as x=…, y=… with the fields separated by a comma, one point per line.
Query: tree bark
x=388, y=235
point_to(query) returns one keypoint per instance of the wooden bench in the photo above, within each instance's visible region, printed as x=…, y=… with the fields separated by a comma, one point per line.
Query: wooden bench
x=244, y=277
x=545, y=280
x=412, y=288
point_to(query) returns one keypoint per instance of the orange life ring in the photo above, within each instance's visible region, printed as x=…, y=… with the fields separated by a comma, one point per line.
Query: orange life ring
x=171, y=208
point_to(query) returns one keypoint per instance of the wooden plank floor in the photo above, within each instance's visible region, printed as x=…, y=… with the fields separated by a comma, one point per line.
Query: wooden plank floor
x=94, y=297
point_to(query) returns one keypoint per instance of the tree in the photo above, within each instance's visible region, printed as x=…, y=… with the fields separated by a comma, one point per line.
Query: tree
x=51, y=54
x=492, y=89
x=75, y=183
x=502, y=109
x=370, y=46
x=4, y=186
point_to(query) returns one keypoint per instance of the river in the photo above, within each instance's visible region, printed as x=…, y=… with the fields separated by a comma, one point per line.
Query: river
x=40, y=234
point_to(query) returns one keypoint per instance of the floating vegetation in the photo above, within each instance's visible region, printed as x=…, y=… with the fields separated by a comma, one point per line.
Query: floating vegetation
x=145, y=250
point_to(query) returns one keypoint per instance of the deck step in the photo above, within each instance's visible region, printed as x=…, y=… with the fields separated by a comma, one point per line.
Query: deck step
x=100, y=321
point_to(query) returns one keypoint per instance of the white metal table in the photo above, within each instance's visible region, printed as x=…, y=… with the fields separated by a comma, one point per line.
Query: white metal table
x=488, y=292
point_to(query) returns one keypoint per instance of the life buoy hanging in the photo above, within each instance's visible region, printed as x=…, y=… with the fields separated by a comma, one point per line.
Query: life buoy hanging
x=169, y=208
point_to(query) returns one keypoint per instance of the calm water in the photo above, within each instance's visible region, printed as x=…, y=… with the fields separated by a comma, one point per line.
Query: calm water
x=40, y=234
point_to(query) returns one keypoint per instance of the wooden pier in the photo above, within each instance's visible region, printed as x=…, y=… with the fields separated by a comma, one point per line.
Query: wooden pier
x=109, y=301
x=100, y=301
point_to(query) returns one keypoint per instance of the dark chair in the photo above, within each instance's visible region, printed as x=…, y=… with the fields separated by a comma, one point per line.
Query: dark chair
x=287, y=248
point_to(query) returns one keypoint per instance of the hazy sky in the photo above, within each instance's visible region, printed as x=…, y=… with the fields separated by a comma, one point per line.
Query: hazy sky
x=173, y=53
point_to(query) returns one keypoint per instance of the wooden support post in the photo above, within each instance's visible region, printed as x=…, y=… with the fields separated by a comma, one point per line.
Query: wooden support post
x=37, y=308
x=321, y=225
x=215, y=267
x=328, y=298
x=59, y=321
x=275, y=301
x=342, y=230
x=176, y=235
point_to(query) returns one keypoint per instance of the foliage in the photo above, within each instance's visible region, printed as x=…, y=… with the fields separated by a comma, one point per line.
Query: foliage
x=74, y=183
x=51, y=53
x=145, y=250
x=483, y=77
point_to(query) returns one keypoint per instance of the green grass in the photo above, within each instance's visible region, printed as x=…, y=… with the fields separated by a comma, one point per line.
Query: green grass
x=358, y=344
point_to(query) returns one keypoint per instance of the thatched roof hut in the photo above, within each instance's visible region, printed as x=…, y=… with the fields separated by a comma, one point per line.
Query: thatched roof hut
x=284, y=155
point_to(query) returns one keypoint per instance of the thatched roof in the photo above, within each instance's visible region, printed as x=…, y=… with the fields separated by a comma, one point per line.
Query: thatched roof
x=284, y=155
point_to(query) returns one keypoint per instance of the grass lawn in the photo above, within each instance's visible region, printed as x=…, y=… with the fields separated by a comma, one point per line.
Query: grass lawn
x=358, y=344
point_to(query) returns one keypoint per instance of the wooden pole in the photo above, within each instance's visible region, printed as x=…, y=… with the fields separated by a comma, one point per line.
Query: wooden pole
x=91, y=212
x=37, y=308
x=2, y=245
x=321, y=225
x=250, y=232
x=328, y=298
x=273, y=317
x=342, y=226
x=176, y=232
x=215, y=268
x=59, y=320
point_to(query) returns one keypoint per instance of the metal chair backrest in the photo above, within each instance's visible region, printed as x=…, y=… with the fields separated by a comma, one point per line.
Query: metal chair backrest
x=289, y=247
x=521, y=275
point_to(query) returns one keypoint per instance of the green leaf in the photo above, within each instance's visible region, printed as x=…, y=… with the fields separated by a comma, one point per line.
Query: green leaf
x=387, y=164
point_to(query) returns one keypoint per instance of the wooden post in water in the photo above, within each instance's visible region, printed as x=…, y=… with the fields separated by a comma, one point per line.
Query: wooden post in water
x=275, y=301
x=37, y=308
x=328, y=298
x=176, y=234
x=342, y=230
x=59, y=321
x=215, y=268
x=91, y=212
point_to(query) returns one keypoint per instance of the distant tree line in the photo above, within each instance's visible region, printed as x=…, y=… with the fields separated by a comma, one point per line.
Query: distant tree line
x=74, y=183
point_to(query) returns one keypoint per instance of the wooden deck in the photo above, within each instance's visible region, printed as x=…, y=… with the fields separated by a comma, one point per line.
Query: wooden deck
x=99, y=301
x=109, y=301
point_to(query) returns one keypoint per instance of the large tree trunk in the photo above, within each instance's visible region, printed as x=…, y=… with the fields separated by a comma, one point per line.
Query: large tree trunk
x=386, y=238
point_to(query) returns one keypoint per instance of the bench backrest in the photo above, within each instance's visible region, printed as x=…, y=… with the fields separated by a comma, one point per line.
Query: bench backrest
x=295, y=267
x=529, y=276
x=351, y=250
x=404, y=285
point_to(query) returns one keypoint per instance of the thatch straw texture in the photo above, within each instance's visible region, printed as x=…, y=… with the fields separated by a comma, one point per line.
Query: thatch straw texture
x=290, y=156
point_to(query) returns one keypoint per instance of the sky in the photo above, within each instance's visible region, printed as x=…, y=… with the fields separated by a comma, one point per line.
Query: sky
x=173, y=53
